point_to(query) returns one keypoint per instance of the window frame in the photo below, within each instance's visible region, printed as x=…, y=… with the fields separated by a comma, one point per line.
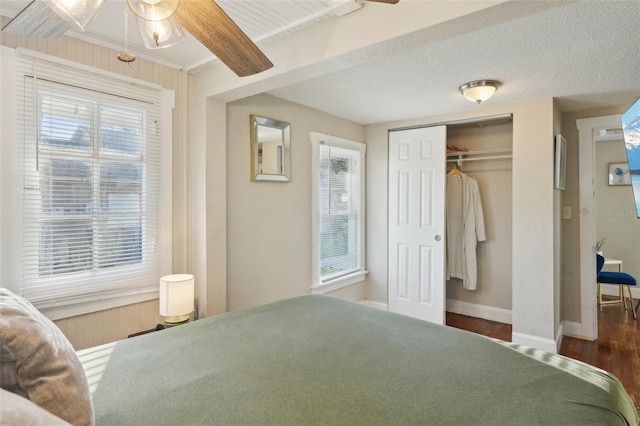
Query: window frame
x=318, y=285
x=10, y=176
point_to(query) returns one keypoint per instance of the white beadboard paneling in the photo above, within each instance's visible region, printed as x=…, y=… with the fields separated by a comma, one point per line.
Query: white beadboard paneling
x=110, y=325
x=262, y=21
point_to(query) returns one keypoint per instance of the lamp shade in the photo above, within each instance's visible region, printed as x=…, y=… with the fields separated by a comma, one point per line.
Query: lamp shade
x=176, y=295
x=77, y=13
x=160, y=34
x=153, y=10
x=480, y=90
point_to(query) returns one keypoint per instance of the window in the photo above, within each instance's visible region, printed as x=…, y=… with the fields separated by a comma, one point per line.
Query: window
x=89, y=165
x=90, y=184
x=338, y=212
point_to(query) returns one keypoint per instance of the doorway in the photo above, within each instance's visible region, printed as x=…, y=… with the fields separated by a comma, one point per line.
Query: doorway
x=592, y=131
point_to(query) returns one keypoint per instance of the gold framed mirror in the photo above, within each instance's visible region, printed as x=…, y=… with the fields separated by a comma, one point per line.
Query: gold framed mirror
x=270, y=149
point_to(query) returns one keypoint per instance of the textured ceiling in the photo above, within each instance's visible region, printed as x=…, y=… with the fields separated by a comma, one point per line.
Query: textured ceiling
x=586, y=54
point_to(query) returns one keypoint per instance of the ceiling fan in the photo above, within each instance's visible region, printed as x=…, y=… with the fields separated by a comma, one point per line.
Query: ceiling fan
x=204, y=19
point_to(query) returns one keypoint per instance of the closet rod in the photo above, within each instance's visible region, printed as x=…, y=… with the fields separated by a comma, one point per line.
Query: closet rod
x=458, y=122
x=479, y=152
x=463, y=160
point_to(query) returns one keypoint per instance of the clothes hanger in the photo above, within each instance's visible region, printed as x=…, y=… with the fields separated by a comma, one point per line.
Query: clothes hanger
x=454, y=171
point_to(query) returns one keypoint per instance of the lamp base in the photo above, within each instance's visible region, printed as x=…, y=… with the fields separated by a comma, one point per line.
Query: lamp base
x=176, y=320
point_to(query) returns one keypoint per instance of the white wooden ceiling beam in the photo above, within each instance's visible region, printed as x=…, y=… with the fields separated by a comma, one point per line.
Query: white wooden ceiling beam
x=37, y=20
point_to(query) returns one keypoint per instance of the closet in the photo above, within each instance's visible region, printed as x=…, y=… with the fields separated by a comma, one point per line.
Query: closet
x=482, y=150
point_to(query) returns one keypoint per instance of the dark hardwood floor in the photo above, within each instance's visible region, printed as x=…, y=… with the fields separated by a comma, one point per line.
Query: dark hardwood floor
x=617, y=349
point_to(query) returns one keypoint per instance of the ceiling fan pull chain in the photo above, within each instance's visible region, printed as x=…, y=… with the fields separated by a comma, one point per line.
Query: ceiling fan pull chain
x=126, y=57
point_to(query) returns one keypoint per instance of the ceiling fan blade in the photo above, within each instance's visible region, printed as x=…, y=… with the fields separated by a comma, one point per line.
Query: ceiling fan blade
x=385, y=1
x=207, y=22
x=37, y=20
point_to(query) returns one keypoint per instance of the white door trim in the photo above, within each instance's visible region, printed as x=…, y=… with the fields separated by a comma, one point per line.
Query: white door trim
x=586, y=152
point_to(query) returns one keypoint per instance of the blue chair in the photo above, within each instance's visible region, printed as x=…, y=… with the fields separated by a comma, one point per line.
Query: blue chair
x=617, y=278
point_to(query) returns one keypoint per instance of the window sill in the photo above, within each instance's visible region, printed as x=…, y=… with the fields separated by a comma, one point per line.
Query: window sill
x=338, y=283
x=92, y=304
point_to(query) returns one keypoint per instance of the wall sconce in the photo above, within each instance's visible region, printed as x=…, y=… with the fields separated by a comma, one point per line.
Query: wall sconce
x=160, y=34
x=480, y=90
x=77, y=13
x=176, y=298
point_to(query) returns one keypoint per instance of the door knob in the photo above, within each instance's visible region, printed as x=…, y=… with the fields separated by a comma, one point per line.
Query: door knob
x=438, y=237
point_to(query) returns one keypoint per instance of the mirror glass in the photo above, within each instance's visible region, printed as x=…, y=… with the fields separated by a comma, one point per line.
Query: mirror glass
x=270, y=149
x=631, y=131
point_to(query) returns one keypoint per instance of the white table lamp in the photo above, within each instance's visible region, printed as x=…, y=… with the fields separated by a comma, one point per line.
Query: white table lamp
x=176, y=298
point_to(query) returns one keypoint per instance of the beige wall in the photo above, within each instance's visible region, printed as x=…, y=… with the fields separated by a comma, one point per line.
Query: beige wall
x=112, y=324
x=494, y=181
x=615, y=210
x=269, y=223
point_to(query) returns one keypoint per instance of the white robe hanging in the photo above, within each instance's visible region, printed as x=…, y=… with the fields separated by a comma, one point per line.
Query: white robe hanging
x=465, y=227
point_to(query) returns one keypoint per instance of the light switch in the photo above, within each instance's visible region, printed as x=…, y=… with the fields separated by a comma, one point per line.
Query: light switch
x=566, y=212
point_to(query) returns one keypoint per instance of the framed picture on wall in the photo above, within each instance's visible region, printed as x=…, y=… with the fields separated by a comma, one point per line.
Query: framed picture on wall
x=619, y=174
x=560, y=172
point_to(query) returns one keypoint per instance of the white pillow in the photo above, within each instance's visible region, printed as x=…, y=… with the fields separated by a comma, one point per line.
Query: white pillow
x=19, y=411
x=38, y=362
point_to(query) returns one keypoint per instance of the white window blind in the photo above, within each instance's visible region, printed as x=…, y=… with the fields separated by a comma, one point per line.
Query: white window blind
x=89, y=149
x=339, y=207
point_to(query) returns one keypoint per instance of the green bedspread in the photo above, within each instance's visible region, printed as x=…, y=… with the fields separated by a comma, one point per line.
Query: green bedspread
x=318, y=360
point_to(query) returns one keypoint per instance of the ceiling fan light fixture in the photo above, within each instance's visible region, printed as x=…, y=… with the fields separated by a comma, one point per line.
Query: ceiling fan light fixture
x=153, y=10
x=77, y=13
x=479, y=90
x=160, y=34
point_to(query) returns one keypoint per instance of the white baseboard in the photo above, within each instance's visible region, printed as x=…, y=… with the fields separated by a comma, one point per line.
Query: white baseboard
x=559, y=336
x=567, y=328
x=374, y=304
x=548, y=345
x=490, y=313
x=575, y=329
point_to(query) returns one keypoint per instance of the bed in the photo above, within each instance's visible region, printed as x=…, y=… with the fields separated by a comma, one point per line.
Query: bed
x=319, y=360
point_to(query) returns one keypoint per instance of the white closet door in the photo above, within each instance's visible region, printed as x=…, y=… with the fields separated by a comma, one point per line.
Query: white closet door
x=417, y=160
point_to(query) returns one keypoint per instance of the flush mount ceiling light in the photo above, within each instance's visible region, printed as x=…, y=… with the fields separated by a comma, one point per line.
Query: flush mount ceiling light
x=480, y=90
